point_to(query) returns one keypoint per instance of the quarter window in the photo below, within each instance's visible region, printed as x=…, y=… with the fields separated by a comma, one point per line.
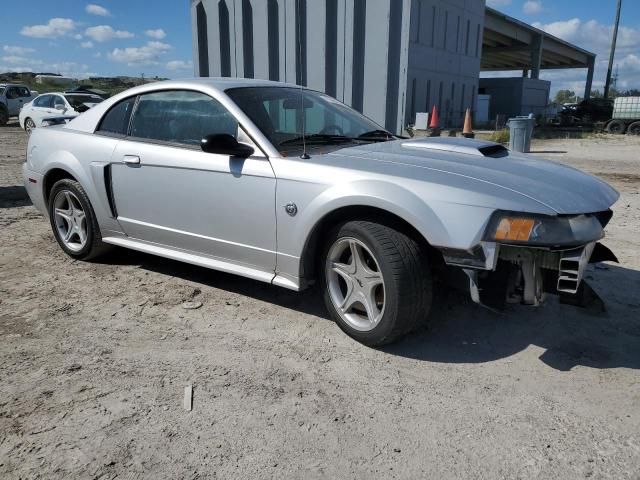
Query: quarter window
x=116, y=121
x=182, y=117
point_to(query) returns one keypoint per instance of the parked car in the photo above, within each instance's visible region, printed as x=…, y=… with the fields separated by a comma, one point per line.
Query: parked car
x=625, y=117
x=587, y=111
x=12, y=98
x=48, y=105
x=289, y=186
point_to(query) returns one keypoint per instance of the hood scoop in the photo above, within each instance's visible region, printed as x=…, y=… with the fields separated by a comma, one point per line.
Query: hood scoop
x=465, y=146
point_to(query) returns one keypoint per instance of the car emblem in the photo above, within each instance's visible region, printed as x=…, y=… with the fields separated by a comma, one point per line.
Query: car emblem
x=291, y=208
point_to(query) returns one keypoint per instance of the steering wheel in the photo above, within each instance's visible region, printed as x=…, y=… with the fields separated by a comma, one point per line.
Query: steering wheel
x=332, y=129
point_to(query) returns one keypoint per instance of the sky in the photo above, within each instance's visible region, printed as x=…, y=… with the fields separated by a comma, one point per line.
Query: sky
x=106, y=38
x=132, y=37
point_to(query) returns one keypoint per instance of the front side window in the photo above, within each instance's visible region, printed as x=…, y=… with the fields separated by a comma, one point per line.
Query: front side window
x=13, y=93
x=24, y=92
x=183, y=117
x=116, y=121
x=287, y=115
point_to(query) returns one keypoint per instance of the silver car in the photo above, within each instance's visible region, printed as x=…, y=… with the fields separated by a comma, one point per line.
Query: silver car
x=289, y=186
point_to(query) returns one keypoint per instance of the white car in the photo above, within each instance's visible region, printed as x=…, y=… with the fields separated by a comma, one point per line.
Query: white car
x=56, y=104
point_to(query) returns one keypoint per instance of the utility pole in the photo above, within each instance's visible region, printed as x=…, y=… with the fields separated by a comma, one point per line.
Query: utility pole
x=613, y=50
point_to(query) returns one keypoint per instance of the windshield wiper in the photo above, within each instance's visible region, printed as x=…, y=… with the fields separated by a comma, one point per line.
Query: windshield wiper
x=376, y=135
x=317, y=138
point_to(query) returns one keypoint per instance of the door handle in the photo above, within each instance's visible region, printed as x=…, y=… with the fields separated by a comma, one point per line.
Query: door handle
x=131, y=159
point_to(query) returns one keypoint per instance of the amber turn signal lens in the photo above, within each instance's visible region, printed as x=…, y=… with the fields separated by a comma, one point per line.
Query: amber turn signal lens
x=518, y=229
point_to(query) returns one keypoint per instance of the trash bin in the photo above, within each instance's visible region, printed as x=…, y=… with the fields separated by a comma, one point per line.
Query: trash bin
x=520, y=132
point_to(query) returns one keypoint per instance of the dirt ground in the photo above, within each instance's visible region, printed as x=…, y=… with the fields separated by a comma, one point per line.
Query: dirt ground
x=95, y=358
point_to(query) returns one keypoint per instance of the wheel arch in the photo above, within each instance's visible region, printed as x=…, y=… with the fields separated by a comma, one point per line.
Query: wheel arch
x=54, y=175
x=317, y=237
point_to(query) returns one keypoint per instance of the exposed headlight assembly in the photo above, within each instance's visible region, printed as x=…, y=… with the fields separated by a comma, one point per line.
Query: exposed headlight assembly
x=542, y=230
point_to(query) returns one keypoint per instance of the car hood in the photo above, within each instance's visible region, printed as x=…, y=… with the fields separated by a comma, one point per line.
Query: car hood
x=560, y=188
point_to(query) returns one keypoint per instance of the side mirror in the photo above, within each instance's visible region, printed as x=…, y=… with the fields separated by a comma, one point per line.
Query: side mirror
x=225, y=144
x=60, y=107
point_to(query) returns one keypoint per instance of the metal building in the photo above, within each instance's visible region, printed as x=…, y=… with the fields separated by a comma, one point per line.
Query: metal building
x=386, y=58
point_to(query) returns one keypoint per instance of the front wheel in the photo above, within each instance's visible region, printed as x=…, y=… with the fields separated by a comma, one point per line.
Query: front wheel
x=377, y=282
x=73, y=221
x=4, y=115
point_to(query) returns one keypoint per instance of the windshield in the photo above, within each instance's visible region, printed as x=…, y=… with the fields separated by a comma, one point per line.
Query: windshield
x=278, y=113
x=79, y=101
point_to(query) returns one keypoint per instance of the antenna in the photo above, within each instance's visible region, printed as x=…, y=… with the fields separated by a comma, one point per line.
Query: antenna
x=305, y=155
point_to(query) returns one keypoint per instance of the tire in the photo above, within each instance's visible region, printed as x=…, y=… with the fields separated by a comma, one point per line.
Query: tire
x=634, y=129
x=616, y=127
x=78, y=246
x=29, y=125
x=4, y=115
x=398, y=305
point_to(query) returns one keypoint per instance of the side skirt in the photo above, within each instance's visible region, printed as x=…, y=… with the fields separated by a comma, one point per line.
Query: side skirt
x=202, y=261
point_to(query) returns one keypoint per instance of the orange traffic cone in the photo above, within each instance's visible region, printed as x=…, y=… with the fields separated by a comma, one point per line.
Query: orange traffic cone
x=434, y=122
x=467, y=130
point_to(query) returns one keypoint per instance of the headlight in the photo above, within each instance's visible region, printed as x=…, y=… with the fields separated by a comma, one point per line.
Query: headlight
x=543, y=230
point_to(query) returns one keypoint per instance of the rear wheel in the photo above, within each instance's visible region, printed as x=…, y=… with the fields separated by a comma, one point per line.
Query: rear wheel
x=616, y=127
x=29, y=125
x=634, y=129
x=376, y=281
x=73, y=221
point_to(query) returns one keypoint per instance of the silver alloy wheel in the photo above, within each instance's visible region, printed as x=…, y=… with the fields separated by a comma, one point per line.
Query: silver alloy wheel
x=70, y=220
x=29, y=125
x=355, y=283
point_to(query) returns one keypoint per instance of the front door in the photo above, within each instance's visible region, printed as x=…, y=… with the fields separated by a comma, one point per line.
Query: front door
x=169, y=192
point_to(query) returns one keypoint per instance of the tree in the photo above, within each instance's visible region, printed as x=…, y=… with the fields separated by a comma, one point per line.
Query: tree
x=565, y=96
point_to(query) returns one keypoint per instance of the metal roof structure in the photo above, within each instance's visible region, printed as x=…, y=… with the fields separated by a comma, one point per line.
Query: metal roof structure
x=510, y=44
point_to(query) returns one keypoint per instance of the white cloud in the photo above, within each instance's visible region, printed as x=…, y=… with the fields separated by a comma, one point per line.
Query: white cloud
x=93, y=9
x=15, y=60
x=104, y=33
x=13, y=50
x=56, y=27
x=88, y=44
x=97, y=55
x=146, y=55
x=179, y=65
x=532, y=7
x=158, y=33
x=12, y=68
x=78, y=36
x=498, y=3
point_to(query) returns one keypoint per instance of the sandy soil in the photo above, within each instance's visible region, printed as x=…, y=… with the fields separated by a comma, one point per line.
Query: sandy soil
x=95, y=358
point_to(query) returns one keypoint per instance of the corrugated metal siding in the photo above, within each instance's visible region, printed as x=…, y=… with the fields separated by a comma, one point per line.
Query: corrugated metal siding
x=366, y=53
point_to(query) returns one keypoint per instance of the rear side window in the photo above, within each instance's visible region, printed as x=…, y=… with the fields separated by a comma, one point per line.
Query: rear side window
x=116, y=121
x=58, y=100
x=183, y=117
x=43, y=101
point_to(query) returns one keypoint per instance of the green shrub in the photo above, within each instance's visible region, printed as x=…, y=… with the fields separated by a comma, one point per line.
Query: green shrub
x=500, y=136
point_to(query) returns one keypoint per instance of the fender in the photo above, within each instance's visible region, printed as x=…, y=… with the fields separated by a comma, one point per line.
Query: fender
x=92, y=179
x=293, y=237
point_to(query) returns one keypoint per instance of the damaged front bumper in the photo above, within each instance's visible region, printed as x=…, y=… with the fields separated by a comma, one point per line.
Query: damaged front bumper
x=500, y=274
